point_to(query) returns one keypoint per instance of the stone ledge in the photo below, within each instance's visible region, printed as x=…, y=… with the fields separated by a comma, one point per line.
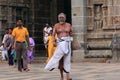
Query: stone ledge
x=39, y=60
x=96, y=60
x=78, y=55
x=99, y=54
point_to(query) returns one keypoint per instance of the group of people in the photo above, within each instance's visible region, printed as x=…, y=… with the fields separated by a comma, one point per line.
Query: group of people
x=48, y=41
x=58, y=43
x=17, y=47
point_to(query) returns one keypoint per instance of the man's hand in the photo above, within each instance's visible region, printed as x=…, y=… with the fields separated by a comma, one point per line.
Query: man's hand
x=54, y=43
x=14, y=47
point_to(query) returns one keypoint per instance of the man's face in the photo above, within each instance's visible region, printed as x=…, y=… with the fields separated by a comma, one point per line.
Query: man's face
x=61, y=19
x=19, y=23
x=47, y=25
x=6, y=31
x=10, y=31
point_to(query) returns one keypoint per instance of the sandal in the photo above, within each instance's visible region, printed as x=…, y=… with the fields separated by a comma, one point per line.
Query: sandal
x=26, y=69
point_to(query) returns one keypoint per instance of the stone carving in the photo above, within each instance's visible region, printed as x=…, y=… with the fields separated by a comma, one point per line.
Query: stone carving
x=98, y=17
x=116, y=20
x=115, y=47
x=105, y=13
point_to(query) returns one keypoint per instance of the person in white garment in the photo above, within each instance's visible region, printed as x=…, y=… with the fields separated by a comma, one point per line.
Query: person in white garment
x=4, y=50
x=62, y=55
x=46, y=32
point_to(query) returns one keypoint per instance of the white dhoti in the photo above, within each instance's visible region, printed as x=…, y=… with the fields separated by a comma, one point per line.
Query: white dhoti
x=45, y=41
x=63, y=50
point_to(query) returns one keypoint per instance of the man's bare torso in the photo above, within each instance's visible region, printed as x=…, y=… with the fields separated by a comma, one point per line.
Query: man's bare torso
x=62, y=30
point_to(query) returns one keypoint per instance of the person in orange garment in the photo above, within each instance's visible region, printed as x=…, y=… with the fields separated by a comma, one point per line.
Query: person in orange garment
x=51, y=47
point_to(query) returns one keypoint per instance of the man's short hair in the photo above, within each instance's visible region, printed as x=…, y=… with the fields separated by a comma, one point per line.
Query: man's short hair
x=20, y=20
x=62, y=15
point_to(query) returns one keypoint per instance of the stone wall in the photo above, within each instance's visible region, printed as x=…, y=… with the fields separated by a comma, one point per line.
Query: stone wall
x=94, y=23
x=10, y=11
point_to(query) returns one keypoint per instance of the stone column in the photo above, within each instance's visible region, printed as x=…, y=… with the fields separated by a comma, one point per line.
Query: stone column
x=79, y=29
x=0, y=23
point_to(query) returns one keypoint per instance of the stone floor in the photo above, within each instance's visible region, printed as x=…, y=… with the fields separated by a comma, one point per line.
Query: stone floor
x=80, y=71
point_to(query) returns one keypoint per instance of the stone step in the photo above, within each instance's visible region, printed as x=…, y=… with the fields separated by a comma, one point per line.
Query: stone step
x=96, y=60
x=39, y=60
x=36, y=60
x=3, y=61
x=99, y=54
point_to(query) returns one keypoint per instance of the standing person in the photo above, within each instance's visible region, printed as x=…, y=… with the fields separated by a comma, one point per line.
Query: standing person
x=8, y=46
x=4, y=51
x=6, y=33
x=20, y=35
x=30, y=52
x=51, y=47
x=46, y=32
x=62, y=54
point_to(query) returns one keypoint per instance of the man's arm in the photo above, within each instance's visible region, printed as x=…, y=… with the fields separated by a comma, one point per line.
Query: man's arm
x=71, y=31
x=13, y=42
x=54, y=33
x=53, y=36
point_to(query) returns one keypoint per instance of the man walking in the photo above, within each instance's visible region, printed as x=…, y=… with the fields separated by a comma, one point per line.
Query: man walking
x=20, y=35
x=62, y=54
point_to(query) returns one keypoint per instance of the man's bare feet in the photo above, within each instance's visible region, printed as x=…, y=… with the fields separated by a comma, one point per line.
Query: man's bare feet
x=69, y=79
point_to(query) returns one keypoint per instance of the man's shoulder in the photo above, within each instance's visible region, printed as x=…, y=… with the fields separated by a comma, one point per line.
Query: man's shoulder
x=25, y=28
x=50, y=27
x=44, y=28
x=6, y=35
x=68, y=24
x=57, y=24
x=15, y=28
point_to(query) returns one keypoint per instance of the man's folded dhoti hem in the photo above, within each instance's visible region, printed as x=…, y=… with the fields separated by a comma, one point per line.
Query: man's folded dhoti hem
x=63, y=50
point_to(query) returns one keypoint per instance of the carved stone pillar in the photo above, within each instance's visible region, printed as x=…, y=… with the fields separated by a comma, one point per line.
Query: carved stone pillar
x=79, y=29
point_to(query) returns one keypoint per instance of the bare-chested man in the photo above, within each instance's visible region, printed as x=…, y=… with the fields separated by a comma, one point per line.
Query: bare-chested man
x=62, y=54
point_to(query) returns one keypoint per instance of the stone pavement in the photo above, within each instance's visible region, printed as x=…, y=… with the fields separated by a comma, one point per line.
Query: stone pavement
x=80, y=71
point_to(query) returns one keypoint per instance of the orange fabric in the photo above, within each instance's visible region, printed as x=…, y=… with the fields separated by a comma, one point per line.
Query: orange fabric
x=51, y=48
x=20, y=34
